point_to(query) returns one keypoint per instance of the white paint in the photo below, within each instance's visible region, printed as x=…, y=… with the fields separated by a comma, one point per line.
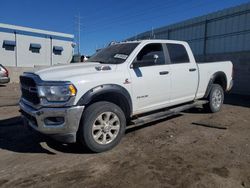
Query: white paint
x=7, y=57
x=14, y=27
x=154, y=91
x=22, y=55
x=26, y=58
x=67, y=52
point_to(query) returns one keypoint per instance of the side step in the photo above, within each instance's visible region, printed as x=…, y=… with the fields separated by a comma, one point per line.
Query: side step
x=164, y=114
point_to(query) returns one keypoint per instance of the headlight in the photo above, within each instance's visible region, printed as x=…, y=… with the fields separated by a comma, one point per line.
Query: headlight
x=57, y=93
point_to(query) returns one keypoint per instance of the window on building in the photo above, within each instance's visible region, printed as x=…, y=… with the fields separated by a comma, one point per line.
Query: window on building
x=35, y=48
x=57, y=50
x=9, y=45
x=177, y=53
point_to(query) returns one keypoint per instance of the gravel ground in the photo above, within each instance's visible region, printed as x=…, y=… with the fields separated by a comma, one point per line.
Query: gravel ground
x=181, y=151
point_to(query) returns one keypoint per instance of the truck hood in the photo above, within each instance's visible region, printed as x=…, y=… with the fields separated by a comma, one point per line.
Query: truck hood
x=66, y=72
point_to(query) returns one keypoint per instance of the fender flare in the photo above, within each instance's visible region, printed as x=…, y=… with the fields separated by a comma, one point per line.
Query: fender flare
x=103, y=89
x=211, y=81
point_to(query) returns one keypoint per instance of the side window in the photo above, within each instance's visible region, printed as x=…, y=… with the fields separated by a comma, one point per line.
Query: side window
x=151, y=54
x=9, y=45
x=177, y=53
x=35, y=48
x=57, y=50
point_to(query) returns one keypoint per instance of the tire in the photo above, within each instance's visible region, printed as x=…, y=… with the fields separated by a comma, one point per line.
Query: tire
x=215, y=98
x=102, y=127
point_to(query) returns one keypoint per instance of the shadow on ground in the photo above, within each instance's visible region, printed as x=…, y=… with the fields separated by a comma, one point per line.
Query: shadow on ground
x=231, y=99
x=16, y=137
x=132, y=129
x=237, y=100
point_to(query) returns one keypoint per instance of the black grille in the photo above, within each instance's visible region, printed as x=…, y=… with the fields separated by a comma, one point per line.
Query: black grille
x=29, y=90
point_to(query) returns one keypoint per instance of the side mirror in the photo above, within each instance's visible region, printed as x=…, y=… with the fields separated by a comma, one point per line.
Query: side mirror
x=156, y=57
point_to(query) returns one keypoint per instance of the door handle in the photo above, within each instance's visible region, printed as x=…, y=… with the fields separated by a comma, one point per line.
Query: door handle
x=192, y=69
x=163, y=72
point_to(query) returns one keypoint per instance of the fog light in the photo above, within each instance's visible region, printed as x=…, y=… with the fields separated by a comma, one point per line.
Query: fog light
x=54, y=120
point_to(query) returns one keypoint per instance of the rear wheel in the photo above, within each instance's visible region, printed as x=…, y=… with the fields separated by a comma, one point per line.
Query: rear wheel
x=215, y=98
x=102, y=126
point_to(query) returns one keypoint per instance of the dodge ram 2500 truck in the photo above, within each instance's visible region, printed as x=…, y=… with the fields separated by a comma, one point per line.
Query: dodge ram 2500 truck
x=128, y=83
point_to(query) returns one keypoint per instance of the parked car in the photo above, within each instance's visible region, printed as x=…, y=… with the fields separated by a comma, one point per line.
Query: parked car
x=125, y=84
x=4, y=75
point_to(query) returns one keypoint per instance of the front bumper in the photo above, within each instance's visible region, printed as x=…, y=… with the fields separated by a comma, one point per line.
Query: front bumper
x=4, y=80
x=64, y=130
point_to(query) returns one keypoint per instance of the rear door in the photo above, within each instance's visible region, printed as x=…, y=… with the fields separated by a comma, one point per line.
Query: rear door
x=184, y=74
x=150, y=78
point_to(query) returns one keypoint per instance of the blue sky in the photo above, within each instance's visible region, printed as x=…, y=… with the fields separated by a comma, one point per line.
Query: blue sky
x=107, y=20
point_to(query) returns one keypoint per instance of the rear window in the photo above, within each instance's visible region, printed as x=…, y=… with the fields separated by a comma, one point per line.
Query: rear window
x=177, y=53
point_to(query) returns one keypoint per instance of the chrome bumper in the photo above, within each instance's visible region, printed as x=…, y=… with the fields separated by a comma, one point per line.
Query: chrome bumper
x=4, y=80
x=64, y=130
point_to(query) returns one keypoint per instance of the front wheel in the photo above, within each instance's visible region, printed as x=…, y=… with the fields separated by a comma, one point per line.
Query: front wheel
x=215, y=98
x=102, y=126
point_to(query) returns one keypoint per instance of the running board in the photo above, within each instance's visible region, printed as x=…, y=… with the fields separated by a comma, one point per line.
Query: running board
x=164, y=114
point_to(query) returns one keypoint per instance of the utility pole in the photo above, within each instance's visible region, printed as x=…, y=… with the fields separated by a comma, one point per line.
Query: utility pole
x=78, y=22
x=152, y=33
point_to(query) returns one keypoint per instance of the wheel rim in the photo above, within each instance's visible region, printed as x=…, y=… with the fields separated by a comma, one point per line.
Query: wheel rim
x=217, y=98
x=105, y=128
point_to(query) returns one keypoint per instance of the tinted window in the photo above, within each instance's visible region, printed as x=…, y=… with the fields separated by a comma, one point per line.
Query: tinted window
x=114, y=54
x=177, y=53
x=151, y=54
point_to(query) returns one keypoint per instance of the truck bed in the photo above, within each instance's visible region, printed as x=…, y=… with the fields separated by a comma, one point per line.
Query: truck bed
x=208, y=69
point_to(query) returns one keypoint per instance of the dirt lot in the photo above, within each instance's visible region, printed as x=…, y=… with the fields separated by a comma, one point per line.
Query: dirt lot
x=175, y=152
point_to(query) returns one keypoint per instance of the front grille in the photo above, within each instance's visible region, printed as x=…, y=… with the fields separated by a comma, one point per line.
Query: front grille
x=29, y=90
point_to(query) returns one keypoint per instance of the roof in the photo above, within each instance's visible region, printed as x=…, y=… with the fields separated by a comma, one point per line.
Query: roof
x=34, y=32
x=155, y=41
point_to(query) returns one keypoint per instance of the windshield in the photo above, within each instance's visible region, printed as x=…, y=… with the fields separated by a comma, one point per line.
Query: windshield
x=114, y=54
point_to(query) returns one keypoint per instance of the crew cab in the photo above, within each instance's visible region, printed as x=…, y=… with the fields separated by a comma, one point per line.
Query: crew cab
x=124, y=84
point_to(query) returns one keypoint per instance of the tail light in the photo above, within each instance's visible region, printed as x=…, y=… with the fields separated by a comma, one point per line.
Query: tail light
x=5, y=72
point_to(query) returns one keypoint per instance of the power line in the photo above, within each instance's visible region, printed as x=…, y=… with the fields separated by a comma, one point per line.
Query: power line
x=134, y=12
x=137, y=13
x=147, y=19
x=136, y=19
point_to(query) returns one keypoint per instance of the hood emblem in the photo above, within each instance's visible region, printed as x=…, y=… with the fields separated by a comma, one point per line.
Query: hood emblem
x=103, y=68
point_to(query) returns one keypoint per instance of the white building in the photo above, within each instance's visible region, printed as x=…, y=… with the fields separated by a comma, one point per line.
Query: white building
x=27, y=47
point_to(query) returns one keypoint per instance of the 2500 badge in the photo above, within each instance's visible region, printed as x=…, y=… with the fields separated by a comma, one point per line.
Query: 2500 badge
x=141, y=97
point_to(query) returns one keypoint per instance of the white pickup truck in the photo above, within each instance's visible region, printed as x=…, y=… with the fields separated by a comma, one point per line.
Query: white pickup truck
x=128, y=83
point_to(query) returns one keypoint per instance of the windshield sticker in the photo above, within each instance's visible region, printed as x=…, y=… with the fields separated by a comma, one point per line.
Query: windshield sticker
x=121, y=56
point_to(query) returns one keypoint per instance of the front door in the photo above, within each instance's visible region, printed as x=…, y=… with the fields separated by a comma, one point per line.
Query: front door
x=150, y=75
